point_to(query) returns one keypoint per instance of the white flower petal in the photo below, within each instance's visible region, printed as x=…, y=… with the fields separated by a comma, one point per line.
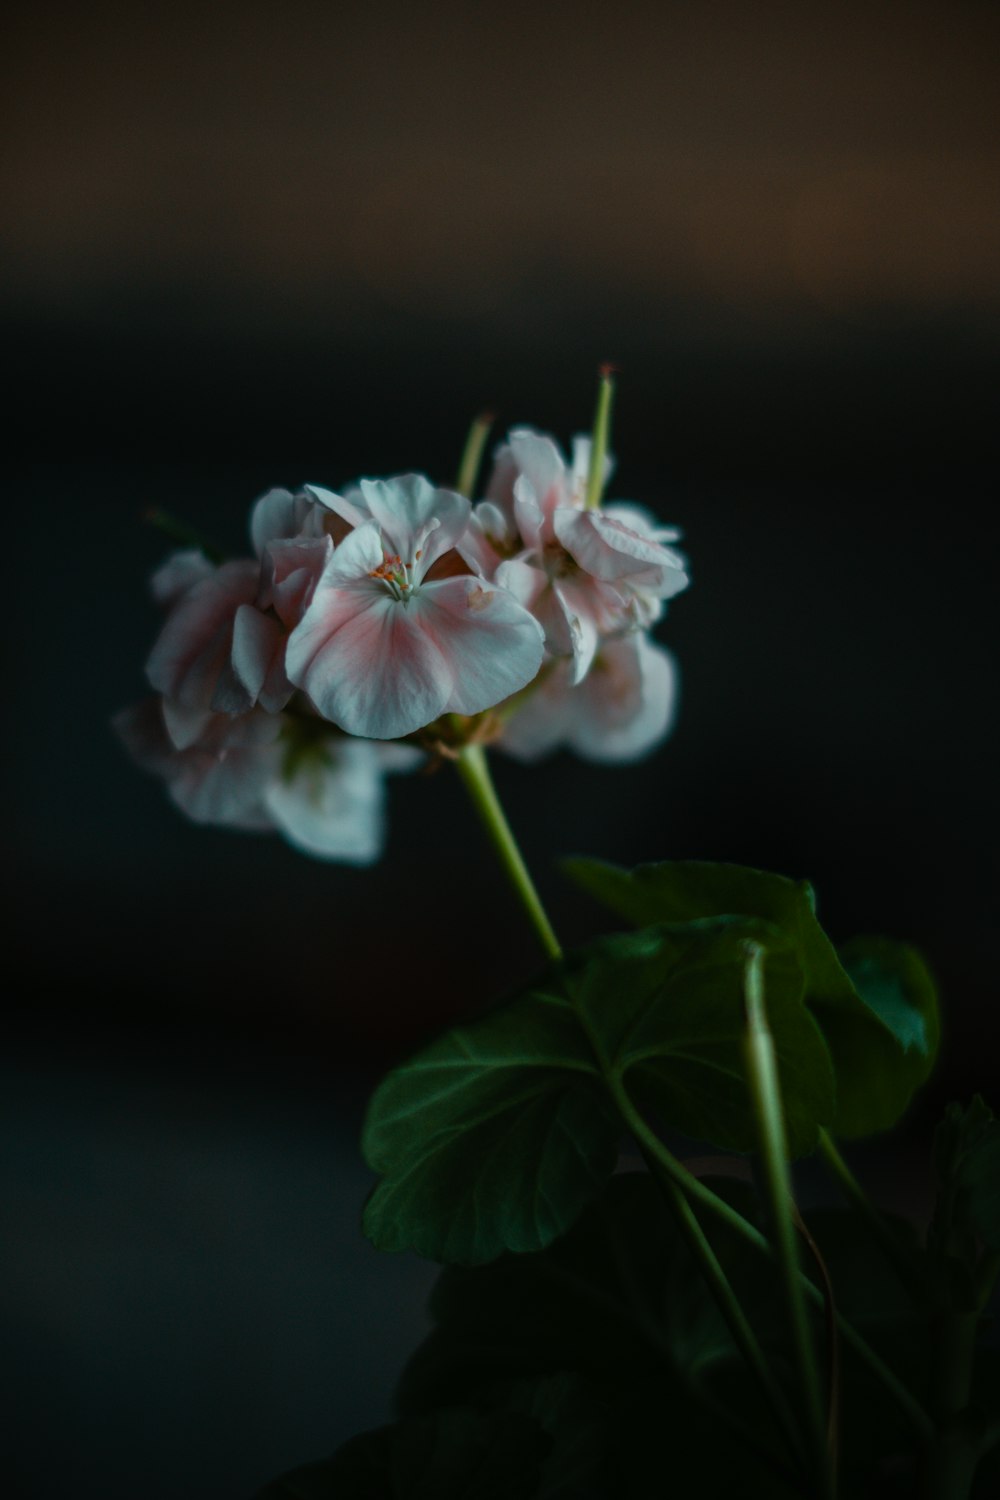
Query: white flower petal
x=492, y=646
x=627, y=704
x=332, y=804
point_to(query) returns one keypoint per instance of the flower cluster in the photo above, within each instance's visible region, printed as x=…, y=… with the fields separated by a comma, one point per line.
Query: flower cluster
x=290, y=681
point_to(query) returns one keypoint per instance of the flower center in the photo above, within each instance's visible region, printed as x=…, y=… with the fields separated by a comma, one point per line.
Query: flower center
x=395, y=574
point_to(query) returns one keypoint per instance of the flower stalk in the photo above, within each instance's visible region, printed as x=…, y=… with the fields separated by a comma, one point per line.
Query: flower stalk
x=476, y=778
x=762, y=1075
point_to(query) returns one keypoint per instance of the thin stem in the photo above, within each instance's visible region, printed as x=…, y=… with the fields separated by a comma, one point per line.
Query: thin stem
x=472, y=454
x=724, y=1297
x=895, y=1253
x=762, y=1075
x=475, y=774
x=599, y=441
x=703, y=1196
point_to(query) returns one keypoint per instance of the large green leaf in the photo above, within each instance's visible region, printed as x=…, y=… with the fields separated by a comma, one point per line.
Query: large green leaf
x=875, y=1002
x=665, y=1008
x=493, y=1138
x=497, y=1135
x=611, y=1300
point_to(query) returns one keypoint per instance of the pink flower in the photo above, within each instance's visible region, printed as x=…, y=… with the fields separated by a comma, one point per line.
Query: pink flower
x=585, y=574
x=222, y=647
x=623, y=708
x=382, y=649
x=258, y=771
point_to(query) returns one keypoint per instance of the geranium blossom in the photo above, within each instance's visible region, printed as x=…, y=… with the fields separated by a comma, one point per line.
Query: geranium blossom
x=383, y=649
x=584, y=573
x=622, y=709
x=222, y=646
x=259, y=771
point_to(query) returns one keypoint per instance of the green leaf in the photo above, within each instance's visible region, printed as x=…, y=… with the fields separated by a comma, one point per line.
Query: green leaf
x=882, y=1067
x=613, y=1332
x=611, y=1300
x=875, y=1002
x=665, y=1009
x=491, y=1139
x=456, y=1454
x=966, y=1160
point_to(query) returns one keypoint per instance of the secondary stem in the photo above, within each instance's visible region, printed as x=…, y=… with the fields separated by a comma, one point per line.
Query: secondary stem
x=475, y=774
x=855, y=1194
x=723, y=1295
x=762, y=1074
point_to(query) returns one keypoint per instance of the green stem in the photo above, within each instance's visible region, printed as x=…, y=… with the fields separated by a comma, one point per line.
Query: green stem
x=475, y=774
x=599, y=441
x=855, y=1194
x=762, y=1076
x=722, y=1292
x=472, y=454
x=703, y=1196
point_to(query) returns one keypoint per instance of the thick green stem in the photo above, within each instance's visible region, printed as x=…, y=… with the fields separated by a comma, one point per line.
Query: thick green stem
x=475, y=774
x=762, y=1075
x=955, y=1452
x=719, y=1286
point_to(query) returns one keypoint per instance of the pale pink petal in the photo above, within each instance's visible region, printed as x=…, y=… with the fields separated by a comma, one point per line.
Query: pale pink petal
x=185, y=726
x=258, y=658
x=608, y=549
x=415, y=517
x=542, y=717
x=366, y=664
x=193, y=647
x=526, y=582
x=627, y=704
x=350, y=507
x=641, y=520
x=572, y=621
x=332, y=803
x=491, y=644
x=279, y=514
x=289, y=572
x=180, y=572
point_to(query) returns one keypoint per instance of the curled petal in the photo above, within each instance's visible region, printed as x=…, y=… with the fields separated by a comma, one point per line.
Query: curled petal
x=608, y=549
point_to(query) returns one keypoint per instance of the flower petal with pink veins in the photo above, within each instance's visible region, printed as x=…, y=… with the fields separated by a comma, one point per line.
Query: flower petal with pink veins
x=366, y=664
x=491, y=645
x=415, y=517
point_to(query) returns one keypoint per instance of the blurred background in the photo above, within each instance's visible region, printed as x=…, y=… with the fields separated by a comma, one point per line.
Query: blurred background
x=251, y=244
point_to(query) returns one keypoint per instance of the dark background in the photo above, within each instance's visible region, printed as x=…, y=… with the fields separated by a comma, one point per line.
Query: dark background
x=251, y=244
